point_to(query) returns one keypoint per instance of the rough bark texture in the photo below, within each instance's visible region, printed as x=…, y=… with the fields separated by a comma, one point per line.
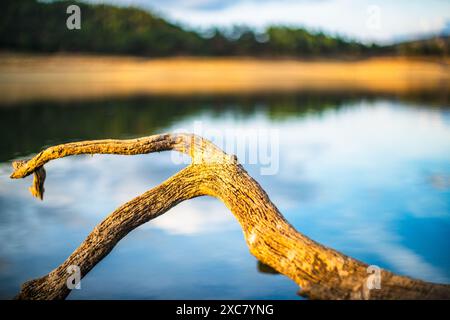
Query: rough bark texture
x=321, y=272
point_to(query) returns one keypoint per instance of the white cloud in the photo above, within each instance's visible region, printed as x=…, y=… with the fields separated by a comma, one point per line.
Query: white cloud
x=194, y=217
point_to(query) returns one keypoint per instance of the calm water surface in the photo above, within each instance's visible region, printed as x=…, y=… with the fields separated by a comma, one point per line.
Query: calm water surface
x=369, y=176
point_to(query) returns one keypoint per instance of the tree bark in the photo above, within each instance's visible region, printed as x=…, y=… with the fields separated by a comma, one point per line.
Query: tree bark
x=321, y=272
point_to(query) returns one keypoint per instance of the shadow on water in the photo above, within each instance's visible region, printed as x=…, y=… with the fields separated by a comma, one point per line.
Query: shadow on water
x=266, y=269
x=28, y=127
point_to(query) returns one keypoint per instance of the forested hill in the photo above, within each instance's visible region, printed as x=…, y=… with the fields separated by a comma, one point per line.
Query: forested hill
x=29, y=25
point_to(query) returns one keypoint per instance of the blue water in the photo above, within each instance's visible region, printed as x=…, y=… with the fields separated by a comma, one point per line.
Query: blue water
x=370, y=178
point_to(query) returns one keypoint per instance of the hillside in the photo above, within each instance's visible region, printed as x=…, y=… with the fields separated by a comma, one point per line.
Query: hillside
x=28, y=25
x=439, y=45
x=34, y=26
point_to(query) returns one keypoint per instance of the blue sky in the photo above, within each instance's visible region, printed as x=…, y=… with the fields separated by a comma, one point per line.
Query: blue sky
x=366, y=20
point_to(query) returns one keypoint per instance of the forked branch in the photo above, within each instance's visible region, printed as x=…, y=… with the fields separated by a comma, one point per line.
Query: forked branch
x=321, y=272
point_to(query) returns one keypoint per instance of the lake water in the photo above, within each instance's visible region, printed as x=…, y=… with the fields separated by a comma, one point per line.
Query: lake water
x=367, y=175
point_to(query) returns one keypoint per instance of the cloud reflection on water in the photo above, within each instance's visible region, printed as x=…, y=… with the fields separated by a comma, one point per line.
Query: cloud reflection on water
x=349, y=178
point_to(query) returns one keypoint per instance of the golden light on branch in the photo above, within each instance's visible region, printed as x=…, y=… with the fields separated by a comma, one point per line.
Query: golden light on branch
x=321, y=272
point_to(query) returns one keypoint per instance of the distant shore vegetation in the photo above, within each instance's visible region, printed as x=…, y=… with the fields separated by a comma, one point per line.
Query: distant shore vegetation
x=33, y=26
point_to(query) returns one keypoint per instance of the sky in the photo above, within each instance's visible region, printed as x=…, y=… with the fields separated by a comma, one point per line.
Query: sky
x=380, y=21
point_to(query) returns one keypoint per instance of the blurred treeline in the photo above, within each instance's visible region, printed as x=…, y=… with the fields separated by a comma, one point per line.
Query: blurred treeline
x=28, y=25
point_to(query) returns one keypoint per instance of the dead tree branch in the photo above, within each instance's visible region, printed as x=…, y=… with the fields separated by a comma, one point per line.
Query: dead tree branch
x=321, y=272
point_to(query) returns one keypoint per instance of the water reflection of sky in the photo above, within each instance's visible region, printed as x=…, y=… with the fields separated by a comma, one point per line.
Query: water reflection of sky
x=369, y=179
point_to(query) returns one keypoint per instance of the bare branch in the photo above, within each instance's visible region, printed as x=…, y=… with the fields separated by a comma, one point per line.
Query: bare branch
x=321, y=272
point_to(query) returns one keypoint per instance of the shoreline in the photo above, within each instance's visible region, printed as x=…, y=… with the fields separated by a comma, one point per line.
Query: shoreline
x=29, y=77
